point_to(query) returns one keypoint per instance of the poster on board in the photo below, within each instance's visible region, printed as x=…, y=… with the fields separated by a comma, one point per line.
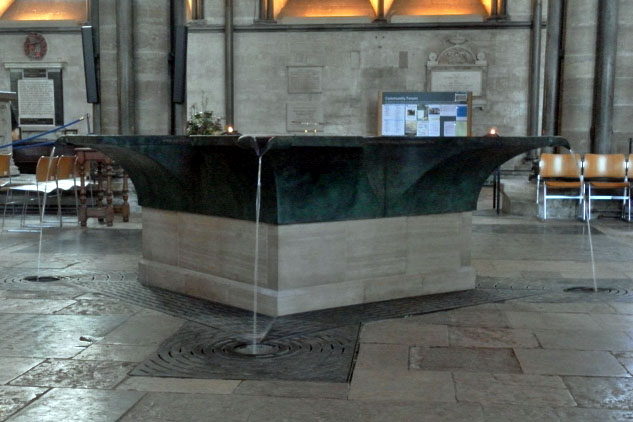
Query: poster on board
x=424, y=114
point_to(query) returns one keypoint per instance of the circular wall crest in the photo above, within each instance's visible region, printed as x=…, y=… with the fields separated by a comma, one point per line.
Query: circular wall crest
x=35, y=46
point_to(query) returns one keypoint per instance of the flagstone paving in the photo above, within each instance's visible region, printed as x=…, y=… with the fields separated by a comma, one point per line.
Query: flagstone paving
x=66, y=351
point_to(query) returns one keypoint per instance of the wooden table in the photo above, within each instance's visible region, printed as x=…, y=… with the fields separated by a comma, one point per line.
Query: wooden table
x=104, y=166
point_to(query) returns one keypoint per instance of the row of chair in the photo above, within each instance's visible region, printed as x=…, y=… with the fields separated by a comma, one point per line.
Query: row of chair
x=53, y=174
x=593, y=177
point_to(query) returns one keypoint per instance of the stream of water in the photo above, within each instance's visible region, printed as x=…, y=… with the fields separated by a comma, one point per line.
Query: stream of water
x=43, y=210
x=256, y=264
x=586, y=215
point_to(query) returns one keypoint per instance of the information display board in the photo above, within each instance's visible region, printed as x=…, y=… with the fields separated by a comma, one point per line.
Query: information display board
x=424, y=114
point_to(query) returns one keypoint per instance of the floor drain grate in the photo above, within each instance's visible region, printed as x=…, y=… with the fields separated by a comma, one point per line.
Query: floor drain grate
x=198, y=351
x=42, y=278
x=609, y=290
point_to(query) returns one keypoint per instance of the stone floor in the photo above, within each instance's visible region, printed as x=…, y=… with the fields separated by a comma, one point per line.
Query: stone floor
x=66, y=352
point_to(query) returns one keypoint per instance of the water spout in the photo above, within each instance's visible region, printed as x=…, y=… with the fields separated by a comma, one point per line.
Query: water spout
x=259, y=145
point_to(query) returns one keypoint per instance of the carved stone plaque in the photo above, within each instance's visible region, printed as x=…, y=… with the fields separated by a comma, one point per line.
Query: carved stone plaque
x=305, y=117
x=36, y=101
x=304, y=79
x=458, y=68
x=457, y=80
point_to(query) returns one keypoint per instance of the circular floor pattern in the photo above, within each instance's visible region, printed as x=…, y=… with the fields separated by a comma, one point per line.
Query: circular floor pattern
x=201, y=352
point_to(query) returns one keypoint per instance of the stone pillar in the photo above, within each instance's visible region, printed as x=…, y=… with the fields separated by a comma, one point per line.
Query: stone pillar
x=135, y=80
x=152, y=47
x=578, y=73
x=535, y=69
x=270, y=5
x=93, y=16
x=381, y=11
x=125, y=66
x=606, y=47
x=263, y=12
x=5, y=126
x=109, y=121
x=179, y=110
x=535, y=76
x=552, y=67
x=228, y=63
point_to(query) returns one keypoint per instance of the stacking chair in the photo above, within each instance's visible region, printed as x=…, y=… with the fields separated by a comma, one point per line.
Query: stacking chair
x=561, y=177
x=45, y=183
x=606, y=179
x=5, y=170
x=629, y=175
x=5, y=181
x=66, y=178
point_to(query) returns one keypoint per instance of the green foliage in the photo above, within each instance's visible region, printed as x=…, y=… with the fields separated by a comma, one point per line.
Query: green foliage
x=203, y=123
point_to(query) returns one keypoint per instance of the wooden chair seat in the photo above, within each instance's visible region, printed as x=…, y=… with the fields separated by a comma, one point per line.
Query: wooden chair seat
x=555, y=184
x=609, y=185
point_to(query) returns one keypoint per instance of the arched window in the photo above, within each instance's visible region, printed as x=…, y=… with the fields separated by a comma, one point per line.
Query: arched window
x=194, y=9
x=43, y=10
x=297, y=11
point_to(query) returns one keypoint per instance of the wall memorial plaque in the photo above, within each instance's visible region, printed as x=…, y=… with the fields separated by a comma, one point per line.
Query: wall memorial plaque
x=36, y=102
x=458, y=68
x=304, y=117
x=457, y=80
x=304, y=79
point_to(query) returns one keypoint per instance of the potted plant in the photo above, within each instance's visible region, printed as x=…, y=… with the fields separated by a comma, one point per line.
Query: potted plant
x=204, y=123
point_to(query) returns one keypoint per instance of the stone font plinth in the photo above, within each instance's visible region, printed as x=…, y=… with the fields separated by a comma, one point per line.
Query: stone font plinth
x=305, y=267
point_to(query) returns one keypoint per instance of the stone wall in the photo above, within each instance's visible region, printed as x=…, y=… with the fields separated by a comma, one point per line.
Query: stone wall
x=355, y=67
x=578, y=74
x=63, y=47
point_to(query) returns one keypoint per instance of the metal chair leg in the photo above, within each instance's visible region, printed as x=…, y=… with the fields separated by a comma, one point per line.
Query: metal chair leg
x=4, y=214
x=544, y=202
x=23, y=217
x=59, y=207
x=589, y=203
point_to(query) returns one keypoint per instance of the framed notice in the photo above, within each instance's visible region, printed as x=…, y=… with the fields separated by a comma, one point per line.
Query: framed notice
x=40, y=103
x=424, y=114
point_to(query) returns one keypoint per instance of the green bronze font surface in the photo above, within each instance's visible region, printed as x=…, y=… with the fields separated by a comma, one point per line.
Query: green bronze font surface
x=310, y=179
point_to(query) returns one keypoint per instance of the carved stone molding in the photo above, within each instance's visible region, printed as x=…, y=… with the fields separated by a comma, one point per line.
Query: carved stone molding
x=458, y=68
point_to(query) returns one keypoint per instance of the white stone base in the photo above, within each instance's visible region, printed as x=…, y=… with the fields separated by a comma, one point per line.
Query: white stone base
x=305, y=267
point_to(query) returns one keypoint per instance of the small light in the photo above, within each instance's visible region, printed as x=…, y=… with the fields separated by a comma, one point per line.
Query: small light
x=229, y=129
x=492, y=131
